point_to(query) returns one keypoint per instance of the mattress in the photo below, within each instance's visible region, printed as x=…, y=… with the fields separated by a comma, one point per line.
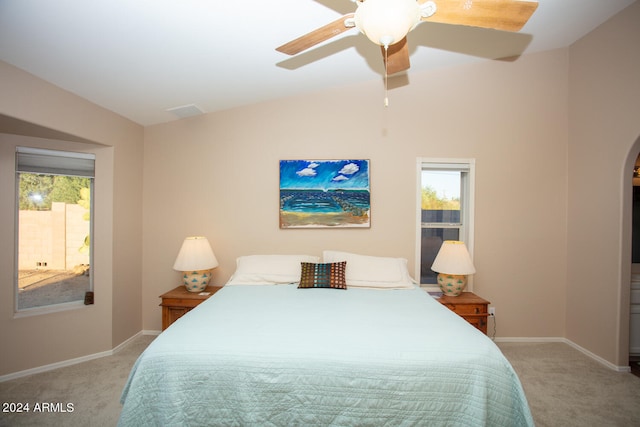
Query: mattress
x=280, y=356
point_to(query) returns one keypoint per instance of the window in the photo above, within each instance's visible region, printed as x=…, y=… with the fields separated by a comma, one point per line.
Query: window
x=444, y=210
x=54, y=190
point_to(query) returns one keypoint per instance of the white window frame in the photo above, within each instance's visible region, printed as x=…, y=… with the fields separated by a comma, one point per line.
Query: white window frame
x=53, y=162
x=467, y=200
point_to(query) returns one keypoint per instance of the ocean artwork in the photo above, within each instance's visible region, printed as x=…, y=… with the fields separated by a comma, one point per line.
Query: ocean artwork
x=324, y=193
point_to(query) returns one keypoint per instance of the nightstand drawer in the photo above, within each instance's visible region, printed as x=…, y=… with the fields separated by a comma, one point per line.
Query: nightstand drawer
x=462, y=309
x=469, y=306
x=179, y=301
x=479, y=322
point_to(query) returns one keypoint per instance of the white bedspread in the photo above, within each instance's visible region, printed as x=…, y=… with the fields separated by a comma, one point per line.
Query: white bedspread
x=281, y=356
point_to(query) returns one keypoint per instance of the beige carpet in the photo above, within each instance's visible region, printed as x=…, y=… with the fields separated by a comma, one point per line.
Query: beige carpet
x=567, y=388
x=92, y=387
x=564, y=388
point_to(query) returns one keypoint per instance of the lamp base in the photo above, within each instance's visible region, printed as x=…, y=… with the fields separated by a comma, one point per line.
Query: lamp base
x=452, y=284
x=196, y=281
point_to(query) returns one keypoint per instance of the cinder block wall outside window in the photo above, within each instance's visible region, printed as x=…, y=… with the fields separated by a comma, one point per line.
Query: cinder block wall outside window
x=51, y=239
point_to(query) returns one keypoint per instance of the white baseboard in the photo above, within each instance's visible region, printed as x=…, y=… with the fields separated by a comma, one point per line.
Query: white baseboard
x=531, y=339
x=53, y=366
x=570, y=343
x=70, y=362
x=126, y=342
x=597, y=358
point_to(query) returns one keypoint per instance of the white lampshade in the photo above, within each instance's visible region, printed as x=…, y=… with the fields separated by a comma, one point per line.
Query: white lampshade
x=386, y=22
x=453, y=258
x=453, y=263
x=195, y=260
x=195, y=254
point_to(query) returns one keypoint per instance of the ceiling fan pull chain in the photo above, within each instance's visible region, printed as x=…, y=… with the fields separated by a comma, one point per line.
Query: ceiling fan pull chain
x=386, y=87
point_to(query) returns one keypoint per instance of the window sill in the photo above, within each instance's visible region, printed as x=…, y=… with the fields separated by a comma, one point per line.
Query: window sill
x=36, y=311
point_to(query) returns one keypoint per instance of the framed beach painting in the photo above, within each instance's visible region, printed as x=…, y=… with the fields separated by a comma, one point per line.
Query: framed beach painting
x=324, y=193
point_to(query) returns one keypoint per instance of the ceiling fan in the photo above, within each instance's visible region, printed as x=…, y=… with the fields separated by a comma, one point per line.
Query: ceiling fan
x=387, y=23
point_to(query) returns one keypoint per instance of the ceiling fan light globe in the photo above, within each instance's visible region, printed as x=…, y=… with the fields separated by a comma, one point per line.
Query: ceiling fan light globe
x=386, y=22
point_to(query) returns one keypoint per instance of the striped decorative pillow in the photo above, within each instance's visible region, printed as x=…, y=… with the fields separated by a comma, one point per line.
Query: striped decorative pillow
x=328, y=275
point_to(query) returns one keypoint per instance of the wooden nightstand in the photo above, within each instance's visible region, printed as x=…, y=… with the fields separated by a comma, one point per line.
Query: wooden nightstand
x=470, y=306
x=179, y=301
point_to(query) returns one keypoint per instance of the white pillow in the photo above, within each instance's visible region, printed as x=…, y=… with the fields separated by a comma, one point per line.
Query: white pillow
x=269, y=269
x=371, y=271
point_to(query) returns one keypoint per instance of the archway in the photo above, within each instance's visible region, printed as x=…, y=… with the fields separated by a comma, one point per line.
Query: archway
x=626, y=240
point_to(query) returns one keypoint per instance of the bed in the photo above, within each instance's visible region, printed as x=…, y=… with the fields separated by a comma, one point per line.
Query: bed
x=264, y=352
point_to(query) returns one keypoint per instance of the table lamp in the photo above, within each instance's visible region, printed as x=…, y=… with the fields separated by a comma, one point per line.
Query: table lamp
x=195, y=260
x=453, y=264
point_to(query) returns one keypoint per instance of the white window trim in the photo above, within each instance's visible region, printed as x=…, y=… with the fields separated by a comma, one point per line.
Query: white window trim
x=468, y=213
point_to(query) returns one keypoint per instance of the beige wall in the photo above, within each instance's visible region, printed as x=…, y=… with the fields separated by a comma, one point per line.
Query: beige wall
x=37, y=108
x=603, y=145
x=217, y=175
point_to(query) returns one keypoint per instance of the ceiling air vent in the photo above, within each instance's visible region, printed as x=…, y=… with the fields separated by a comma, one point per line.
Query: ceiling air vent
x=186, y=111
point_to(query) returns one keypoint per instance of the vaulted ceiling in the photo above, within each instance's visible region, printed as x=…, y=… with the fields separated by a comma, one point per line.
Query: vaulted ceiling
x=140, y=58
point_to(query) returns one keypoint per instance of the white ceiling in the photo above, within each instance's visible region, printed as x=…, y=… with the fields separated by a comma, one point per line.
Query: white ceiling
x=142, y=57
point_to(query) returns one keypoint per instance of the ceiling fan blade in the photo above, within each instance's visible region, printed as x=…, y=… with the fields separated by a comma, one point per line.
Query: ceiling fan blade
x=396, y=57
x=316, y=36
x=508, y=15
